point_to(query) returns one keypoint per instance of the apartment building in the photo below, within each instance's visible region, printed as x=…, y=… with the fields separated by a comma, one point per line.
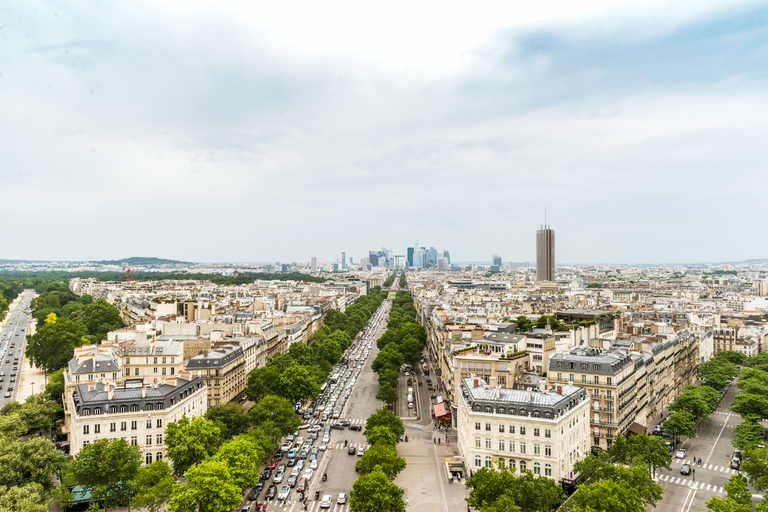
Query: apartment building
x=543, y=430
x=223, y=369
x=724, y=339
x=133, y=411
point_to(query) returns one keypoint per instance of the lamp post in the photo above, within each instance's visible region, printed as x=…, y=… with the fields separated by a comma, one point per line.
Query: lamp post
x=33, y=388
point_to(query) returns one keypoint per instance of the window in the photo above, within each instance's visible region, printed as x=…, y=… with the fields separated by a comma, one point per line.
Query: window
x=522, y=447
x=97, y=410
x=547, y=470
x=135, y=371
x=522, y=431
x=155, y=361
x=159, y=456
x=478, y=461
x=488, y=426
x=560, y=377
x=608, y=381
x=596, y=367
x=523, y=465
x=127, y=360
x=154, y=370
x=149, y=459
x=608, y=394
x=537, y=449
x=501, y=428
x=548, y=451
x=127, y=372
x=134, y=441
x=488, y=443
x=123, y=425
x=547, y=433
x=537, y=432
x=536, y=468
x=570, y=377
x=149, y=423
x=477, y=442
x=149, y=440
x=134, y=408
x=584, y=366
x=113, y=427
x=159, y=438
x=85, y=443
x=511, y=429
x=86, y=429
x=163, y=370
x=597, y=379
x=159, y=423
x=477, y=425
x=584, y=379
x=134, y=425
x=86, y=412
x=173, y=371
x=488, y=462
x=97, y=429
x=501, y=445
x=511, y=464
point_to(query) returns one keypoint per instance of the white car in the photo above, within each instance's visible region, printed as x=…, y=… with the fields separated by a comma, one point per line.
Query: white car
x=296, y=470
x=323, y=446
x=313, y=464
x=326, y=501
x=284, y=492
x=680, y=454
x=342, y=499
x=308, y=474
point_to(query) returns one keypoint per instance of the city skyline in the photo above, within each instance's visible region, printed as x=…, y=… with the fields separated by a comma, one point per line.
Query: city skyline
x=628, y=129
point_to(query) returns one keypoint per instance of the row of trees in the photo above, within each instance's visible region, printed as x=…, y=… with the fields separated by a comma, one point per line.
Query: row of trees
x=9, y=290
x=389, y=281
x=300, y=373
x=403, y=283
x=373, y=491
x=402, y=342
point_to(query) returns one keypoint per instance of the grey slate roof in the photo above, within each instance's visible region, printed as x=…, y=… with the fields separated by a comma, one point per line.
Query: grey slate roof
x=521, y=402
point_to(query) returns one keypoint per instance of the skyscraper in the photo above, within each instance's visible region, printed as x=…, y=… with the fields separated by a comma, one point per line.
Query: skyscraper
x=496, y=260
x=343, y=260
x=409, y=258
x=313, y=265
x=545, y=254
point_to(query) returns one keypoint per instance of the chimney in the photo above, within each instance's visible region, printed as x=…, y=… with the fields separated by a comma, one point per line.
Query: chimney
x=144, y=391
x=560, y=390
x=475, y=382
x=530, y=394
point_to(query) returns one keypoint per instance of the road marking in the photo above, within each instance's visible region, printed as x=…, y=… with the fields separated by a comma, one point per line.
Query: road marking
x=709, y=486
x=686, y=500
x=691, y=503
x=718, y=437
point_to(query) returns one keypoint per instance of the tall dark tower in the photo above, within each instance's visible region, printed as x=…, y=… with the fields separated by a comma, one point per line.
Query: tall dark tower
x=545, y=254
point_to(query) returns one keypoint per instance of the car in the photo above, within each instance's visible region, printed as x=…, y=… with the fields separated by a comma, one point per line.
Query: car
x=292, y=480
x=326, y=501
x=313, y=464
x=7, y=395
x=290, y=438
x=261, y=507
x=361, y=452
x=279, y=454
x=299, y=442
x=284, y=492
x=292, y=453
x=247, y=508
x=308, y=474
x=735, y=463
x=300, y=464
x=685, y=469
x=314, y=428
x=342, y=498
x=10, y=388
x=278, y=477
x=304, y=454
x=271, y=491
x=680, y=454
x=302, y=485
x=351, y=450
x=345, y=423
x=286, y=446
x=291, y=462
x=255, y=491
x=303, y=426
x=266, y=474
x=323, y=446
x=337, y=426
x=296, y=471
x=356, y=428
x=272, y=463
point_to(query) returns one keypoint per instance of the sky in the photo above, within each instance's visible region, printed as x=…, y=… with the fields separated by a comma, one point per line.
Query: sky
x=247, y=131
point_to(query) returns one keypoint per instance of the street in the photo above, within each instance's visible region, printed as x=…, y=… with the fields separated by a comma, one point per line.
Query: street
x=13, y=341
x=713, y=446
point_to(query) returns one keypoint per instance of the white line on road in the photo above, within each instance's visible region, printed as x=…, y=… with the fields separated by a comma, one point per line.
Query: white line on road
x=728, y=417
x=691, y=503
x=686, y=500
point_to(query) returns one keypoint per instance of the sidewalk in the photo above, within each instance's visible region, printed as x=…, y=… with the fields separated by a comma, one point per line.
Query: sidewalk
x=32, y=379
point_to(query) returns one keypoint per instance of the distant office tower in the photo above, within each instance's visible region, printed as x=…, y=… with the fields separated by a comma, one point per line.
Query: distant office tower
x=409, y=257
x=343, y=259
x=447, y=256
x=545, y=254
x=496, y=260
x=313, y=266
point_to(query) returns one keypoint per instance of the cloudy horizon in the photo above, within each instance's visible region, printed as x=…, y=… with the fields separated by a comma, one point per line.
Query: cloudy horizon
x=243, y=132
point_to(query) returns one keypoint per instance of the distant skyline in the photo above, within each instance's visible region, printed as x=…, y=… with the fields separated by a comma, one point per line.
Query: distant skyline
x=241, y=131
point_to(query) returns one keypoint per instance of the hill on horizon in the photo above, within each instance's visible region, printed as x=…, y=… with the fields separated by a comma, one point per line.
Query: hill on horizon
x=140, y=261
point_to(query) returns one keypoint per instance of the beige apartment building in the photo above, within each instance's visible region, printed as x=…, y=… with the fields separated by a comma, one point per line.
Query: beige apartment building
x=223, y=370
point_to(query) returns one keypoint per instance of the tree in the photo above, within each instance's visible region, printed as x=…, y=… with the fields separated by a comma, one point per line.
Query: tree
x=749, y=433
x=375, y=493
x=263, y=381
x=387, y=394
x=607, y=496
x=298, y=382
x=382, y=456
x=209, y=488
x=595, y=469
x=231, y=419
x=242, y=456
x=381, y=435
x=384, y=418
x=732, y=356
x=749, y=404
x=54, y=390
x=680, y=423
x=649, y=450
x=328, y=350
x=30, y=497
x=525, y=491
x=38, y=413
x=755, y=466
x=279, y=411
x=105, y=468
x=23, y=462
x=54, y=342
x=697, y=401
x=102, y=317
x=153, y=486
x=191, y=442
x=738, y=497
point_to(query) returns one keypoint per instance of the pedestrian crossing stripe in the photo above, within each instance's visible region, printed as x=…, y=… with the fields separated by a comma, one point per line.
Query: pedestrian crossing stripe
x=689, y=483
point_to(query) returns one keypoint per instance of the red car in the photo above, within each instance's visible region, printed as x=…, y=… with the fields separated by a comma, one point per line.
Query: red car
x=272, y=464
x=302, y=485
x=261, y=507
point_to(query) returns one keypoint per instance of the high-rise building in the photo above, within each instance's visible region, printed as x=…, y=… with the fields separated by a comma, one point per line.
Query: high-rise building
x=545, y=254
x=313, y=265
x=409, y=257
x=496, y=260
x=343, y=259
x=447, y=256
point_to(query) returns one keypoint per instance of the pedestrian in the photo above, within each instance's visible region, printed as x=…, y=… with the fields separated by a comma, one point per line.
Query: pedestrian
x=406, y=502
x=438, y=441
x=434, y=440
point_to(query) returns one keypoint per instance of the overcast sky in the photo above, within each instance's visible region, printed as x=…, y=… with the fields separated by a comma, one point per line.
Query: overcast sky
x=277, y=131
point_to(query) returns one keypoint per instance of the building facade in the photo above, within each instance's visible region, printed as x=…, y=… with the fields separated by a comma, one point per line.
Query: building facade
x=545, y=254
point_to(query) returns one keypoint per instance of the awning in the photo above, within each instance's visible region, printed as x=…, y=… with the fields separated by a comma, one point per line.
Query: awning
x=636, y=428
x=439, y=409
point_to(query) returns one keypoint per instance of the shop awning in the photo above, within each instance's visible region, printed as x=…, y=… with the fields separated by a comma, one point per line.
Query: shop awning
x=636, y=428
x=439, y=409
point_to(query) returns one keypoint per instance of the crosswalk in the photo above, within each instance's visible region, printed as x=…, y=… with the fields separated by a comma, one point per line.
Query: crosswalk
x=312, y=506
x=712, y=467
x=353, y=421
x=339, y=445
x=687, y=482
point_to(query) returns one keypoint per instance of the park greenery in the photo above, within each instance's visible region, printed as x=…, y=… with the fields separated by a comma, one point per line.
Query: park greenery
x=389, y=281
x=403, y=282
x=504, y=489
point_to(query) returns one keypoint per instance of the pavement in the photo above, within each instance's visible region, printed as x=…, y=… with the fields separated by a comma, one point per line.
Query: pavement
x=33, y=380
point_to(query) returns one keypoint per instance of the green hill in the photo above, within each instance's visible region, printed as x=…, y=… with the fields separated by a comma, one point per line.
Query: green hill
x=140, y=261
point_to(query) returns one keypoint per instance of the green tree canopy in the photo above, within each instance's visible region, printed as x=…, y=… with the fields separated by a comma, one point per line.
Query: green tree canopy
x=384, y=418
x=375, y=493
x=382, y=456
x=738, y=497
x=263, y=381
x=607, y=496
x=191, y=441
x=279, y=411
x=242, y=456
x=231, y=419
x=749, y=433
x=105, y=467
x=54, y=342
x=747, y=404
x=153, y=487
x=524, y=491
x=102, y=317
x=387, y=394
x=30, y=497
x=300, y=382
x=680, y=423
x=209, y=488
x=699, y=401
x=34, y=460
